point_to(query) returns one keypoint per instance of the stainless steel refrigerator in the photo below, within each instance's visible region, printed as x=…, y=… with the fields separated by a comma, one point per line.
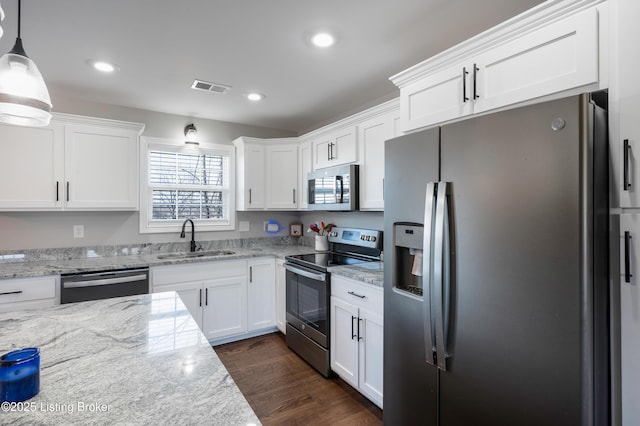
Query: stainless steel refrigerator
x=496, y=269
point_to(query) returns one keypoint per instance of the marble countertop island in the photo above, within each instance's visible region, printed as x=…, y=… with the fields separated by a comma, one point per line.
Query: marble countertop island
x=129, y=360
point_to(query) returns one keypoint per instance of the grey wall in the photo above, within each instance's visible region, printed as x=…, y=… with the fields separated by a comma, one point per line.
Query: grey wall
x=55, y=229
x=37, y=230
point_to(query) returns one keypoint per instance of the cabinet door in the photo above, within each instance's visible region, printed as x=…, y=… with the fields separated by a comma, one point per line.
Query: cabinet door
x=225, y=307
x=261, y=294
x=282, y=176
x=371, y=363
x=254, y=177
x=630, y=317
x=101, y=168
x=345, y=149
x=281, y=296
x=322, y=152
x=31, y=167
x=305, y=165
x=560, y=56
x=372, y=135
x=439, y=97
x=336, y=148
x=344, y=343
x=628, y=98
x=191, y=295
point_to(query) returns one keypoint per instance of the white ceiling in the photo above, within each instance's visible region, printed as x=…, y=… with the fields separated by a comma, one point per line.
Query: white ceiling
x=161, y=46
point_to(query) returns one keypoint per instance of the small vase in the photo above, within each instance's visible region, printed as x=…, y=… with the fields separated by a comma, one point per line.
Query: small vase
x=322, y=243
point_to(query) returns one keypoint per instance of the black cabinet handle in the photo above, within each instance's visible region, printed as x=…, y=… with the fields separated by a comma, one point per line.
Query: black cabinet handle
x=249, y=195
x=626, y=184
x=67, y=190
x=200, y=297
x=359, y=336
x=294, y=196
x=250, y=274
x=356, y=294
x=353, y=335
x=475, y=84
x=206, y=297
x=328, y=152
x=20, y=291
x=57, y=190
x=627, y=260
x=464, y=85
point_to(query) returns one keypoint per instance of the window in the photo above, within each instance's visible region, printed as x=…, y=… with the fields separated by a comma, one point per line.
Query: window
x=186, y=182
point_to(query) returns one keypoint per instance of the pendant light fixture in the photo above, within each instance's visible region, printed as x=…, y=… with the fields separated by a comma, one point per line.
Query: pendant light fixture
x=24, y=98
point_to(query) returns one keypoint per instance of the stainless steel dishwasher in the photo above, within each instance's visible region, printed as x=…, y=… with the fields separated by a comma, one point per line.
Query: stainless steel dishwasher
x=103, y=285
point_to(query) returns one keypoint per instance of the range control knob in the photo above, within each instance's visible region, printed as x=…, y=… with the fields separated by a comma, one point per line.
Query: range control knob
x=373, y=238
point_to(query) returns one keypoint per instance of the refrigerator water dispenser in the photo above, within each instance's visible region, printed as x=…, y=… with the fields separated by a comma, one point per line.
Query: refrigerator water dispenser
x=407, y=275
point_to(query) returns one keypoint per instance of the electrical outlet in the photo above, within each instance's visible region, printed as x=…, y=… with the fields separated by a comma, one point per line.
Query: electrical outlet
x=264, y=225
x=78, y=231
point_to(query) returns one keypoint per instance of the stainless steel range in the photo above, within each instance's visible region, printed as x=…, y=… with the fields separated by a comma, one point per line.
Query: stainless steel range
x=308, y=291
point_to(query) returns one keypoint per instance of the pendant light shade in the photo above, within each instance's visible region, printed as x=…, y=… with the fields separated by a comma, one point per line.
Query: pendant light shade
x=24, y=98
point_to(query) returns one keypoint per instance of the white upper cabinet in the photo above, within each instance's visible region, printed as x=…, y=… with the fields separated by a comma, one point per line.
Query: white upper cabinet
x=372, y=135
x=335, y=148
x=551, y=49
x=101, y=168
x=282, y=176
x=31, y=167
x=267, y=173
x=75, y=163
x=250, y=185
x=624, y=98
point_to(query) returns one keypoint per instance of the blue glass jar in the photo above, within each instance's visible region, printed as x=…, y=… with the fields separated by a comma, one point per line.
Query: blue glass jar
x=19, y=375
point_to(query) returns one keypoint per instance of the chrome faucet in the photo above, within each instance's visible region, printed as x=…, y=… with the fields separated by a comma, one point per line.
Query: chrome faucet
x=193, y=233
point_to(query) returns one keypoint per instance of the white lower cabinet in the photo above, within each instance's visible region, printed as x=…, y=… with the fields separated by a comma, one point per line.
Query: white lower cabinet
x=630, y=317
x=219, y=296
x=261, y=294
x=281, y=296
x=28, y=293
x=357, y=335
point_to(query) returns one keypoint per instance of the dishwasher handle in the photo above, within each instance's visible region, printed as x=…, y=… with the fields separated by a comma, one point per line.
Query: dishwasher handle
x=105, y=281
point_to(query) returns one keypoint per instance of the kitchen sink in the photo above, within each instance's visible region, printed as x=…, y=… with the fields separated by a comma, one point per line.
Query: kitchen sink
x=189, y=255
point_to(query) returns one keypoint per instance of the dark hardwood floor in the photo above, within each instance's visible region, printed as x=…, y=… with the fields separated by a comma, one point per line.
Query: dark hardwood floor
x=282, y=389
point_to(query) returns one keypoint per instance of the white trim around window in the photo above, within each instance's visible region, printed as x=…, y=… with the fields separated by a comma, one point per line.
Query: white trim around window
x=165, y=168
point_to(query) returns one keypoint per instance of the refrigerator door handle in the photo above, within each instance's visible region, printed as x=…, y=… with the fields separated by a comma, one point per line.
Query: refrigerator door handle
x=427, y=271
x=441, y=275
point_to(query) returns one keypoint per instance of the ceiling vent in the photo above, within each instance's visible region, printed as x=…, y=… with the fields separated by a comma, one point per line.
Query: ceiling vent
x=210, y=87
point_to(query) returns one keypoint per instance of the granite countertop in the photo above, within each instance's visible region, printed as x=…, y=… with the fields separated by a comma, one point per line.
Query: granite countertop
x=32, y=268
x=370, y=272
x=129, y=360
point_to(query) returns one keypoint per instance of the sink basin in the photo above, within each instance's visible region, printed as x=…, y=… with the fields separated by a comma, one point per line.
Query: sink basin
x=189, y=255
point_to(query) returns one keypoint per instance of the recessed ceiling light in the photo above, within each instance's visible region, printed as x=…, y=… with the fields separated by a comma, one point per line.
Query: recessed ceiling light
x=102, y=66
x=255, y=97
x=323, y=40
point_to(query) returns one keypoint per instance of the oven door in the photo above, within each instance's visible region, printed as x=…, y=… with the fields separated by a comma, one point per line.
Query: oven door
x=307, y=294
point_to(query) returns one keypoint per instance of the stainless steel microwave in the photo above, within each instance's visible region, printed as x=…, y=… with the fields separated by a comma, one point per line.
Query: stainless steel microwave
x=334, y=188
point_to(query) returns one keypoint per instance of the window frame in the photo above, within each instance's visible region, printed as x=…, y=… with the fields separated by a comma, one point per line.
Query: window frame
x=147, y=224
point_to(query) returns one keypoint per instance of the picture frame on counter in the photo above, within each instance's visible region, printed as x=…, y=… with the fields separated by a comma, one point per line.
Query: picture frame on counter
x=295, y=229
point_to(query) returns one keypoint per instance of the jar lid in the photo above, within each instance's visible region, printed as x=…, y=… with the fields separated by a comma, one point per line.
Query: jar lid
x=18, y=356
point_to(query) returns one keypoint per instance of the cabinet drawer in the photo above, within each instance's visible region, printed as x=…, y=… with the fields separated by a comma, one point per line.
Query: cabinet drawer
x=171, y=274
x=27, y=289
x=361, y=294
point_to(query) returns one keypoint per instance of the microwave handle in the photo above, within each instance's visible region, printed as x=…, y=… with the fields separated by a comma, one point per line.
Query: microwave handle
x=340, y=194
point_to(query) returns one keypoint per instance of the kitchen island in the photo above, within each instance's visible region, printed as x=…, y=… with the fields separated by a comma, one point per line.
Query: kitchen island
x=129, y=360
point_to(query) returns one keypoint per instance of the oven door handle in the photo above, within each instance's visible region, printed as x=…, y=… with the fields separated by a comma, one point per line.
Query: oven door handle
x=304, y=273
